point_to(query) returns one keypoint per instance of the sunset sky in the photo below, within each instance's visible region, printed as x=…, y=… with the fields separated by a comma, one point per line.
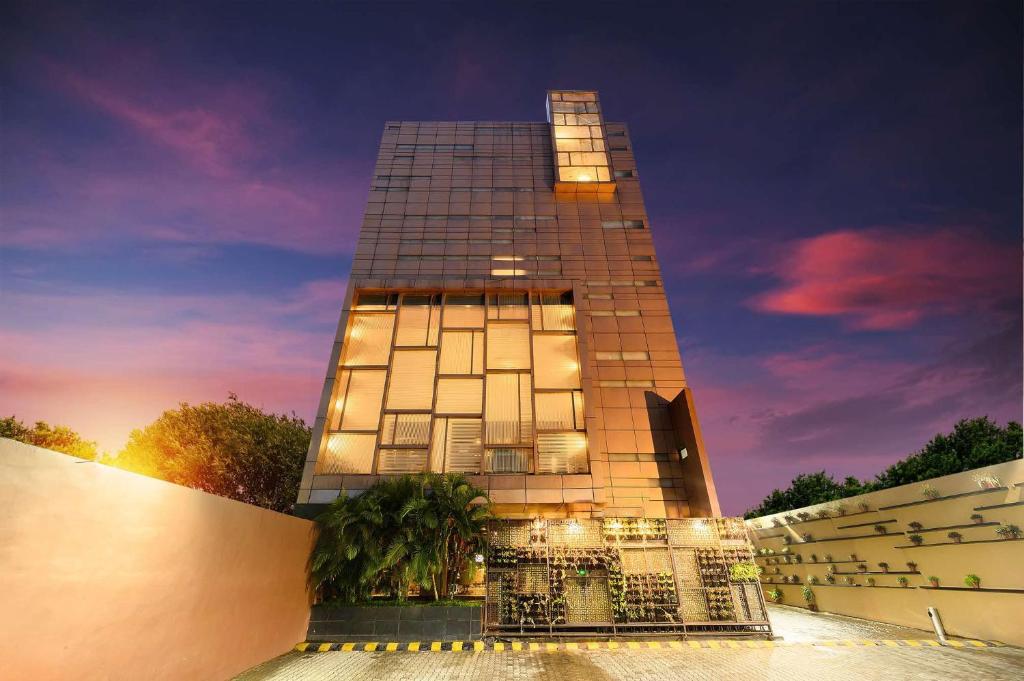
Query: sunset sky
x=834, y=191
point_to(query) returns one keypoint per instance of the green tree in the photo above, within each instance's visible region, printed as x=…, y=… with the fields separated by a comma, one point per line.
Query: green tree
x=58, y=438
x=412, y=529
x=233, y=449
x=973, y=443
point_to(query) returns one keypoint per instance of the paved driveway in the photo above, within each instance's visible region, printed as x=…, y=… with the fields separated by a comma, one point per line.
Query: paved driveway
x=816, y=647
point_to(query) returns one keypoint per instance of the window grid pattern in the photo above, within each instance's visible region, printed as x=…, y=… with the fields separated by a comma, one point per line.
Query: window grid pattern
x=459, y=382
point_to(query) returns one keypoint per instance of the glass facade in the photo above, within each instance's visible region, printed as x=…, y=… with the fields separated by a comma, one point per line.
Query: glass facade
x=506, y=319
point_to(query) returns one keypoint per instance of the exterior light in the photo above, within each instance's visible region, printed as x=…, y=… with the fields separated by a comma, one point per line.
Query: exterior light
x=478, y=558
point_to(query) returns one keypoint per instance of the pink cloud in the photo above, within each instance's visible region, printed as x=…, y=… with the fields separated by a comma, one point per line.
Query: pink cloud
x=884, y=278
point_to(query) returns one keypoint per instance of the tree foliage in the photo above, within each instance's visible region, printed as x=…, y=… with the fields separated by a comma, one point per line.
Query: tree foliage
x=232, y=449
x=418, y=529
x=972, y=444
x=58, y=438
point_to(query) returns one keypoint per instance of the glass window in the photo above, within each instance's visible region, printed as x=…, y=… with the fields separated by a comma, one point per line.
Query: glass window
x=462, y=352
x=418, y=321
x=459, y=396
x=508, y=460
x=369, y=340
x=557, y=362
x=412, y=380
x=507, y=305
x=347, y=453
x=405, y=429
x=553, y=312
x=560, y=410
x=508, y=346
x=376, y=301
x=458, y=445
x=561, y=453
x=464, y=311
x=402, y=461
x=357, y=400
x=509, y=417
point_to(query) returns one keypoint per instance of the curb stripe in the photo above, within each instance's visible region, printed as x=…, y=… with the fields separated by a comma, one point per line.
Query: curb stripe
x=550, y=646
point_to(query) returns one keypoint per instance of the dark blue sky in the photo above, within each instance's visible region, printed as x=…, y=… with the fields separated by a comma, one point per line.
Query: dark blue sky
x=835, y=193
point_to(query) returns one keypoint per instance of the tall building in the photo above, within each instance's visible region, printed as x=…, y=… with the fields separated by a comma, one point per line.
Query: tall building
x=505, y=318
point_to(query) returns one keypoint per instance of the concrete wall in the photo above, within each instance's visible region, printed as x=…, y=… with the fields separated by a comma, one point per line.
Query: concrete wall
x=106, y=574
x=994, y=612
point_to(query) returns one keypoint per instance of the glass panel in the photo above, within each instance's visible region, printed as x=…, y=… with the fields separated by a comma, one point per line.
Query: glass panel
x=508, y=346
x=402, y=461
x=462, y=352
x=577, y=406
x=412, y=380
x=417, y=321
x=507, y=305
x=405, y=429
x=463, y=312
x=561, y=453
x=437, y=445
x=463, y=446
x=507, y=460
x=509, y=410
x=347, y=453
x=376, y=301
x=557, y=363
x=459, y=396
x=369, y=340
x=360, y=406
x=555, y=411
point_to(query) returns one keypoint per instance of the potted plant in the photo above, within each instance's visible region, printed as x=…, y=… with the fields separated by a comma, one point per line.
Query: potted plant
x=775, y=596
x=853, y=557
x=789, y=519
x=956, y=537
x=930, y=492
x=973, y=581
x=870, y=581
x=808, y=595
x=798, y=557
x=863, y=567
x=915, y=526
x=849, y=580
x=934, y=581
x=776, y=522
x=787, y=540
x=912, y=566
x=902, y=581
x=1008, y=531
x=839, y=509
x=881, y=529
x=806, y=536
x=987, y=481
x=884, y=566
x=812, y=579
x=977, y=518
x=803, y=516
x=916, y=539
x=864, y=507
x=828, y=557
x=822, y=514
x=814, y=558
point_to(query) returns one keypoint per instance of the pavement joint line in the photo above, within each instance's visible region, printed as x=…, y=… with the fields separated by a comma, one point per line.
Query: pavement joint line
x=647, y=646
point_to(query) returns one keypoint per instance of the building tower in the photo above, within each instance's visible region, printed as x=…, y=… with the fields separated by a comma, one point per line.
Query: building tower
x=505, y=318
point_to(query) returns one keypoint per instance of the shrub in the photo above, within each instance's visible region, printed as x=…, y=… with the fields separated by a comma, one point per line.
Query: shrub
x=862, y=567
x=881, y=529
x=870, y=581
x=853, y=557
x=776, y=522
x=830, y=578
x=956, y=537
x=745, y=571
x=839, y=509
x=799, y=558
x=806, y=536
x=902, y=581
x=930, y=492
x=884, y=566
x=803, y=515
x=864, y=507
x=849, y=580
x=916, y=539
x=822, y=514
x=812, y=579
x=775, y=596
x=789, y=519
x=1008, y=531
x=977, y=518
x=915, y=526
x=972, y=580
x=808, y=594
x=912, y=566
x=933, y=580
x=814, y=558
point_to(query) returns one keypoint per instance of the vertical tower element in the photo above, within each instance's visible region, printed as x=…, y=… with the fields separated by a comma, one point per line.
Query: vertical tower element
x=505, y=318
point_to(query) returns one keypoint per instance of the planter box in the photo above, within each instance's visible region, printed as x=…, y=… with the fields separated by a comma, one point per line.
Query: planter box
x=394, y=623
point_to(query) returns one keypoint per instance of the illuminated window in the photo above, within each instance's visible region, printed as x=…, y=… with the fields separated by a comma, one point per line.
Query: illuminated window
x=457, y=446
x=402, y=461
x=347, y=453
x=357, y=400
x=462, y=352
x=557, y=361
x=459, y=396
x=508, y=460
x=560, y=410
x=419, y=320
x=507, y=306
x=376, y=301
x=369, y=340
x=509, y=417
x=553, y=312
x=464, y=312
x=561, y=453
x=508, y=346
x=412, y=380
x=405, y=429
x=581, y=156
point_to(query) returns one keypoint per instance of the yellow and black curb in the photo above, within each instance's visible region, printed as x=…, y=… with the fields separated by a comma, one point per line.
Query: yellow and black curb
x=551, y=647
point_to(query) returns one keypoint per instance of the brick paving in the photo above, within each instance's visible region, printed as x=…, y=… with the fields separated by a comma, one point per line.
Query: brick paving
x=801, y=660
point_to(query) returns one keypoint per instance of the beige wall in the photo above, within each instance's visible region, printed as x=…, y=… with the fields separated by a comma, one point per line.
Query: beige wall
x=993, y=615
x=106, y=574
